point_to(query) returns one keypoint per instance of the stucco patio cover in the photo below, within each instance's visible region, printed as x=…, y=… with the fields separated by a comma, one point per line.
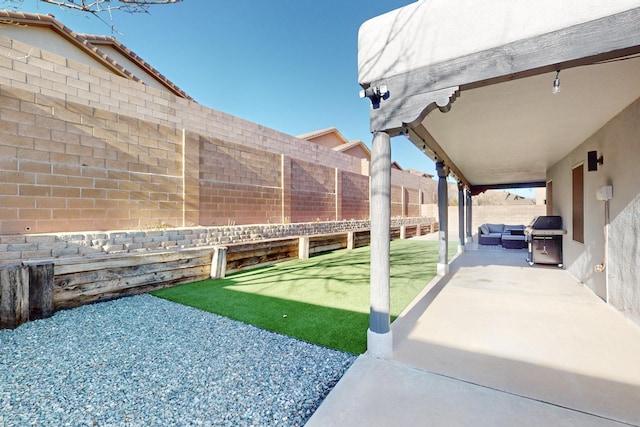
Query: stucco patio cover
x=493, y=64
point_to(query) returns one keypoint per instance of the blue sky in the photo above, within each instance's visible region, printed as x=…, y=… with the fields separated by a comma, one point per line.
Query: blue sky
x=290, y=65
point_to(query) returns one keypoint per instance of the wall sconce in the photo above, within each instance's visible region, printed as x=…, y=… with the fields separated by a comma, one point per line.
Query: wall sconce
x=556, y=84
x=593, y=161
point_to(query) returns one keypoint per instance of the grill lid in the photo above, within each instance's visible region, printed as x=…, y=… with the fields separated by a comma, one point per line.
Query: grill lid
x=551, y=222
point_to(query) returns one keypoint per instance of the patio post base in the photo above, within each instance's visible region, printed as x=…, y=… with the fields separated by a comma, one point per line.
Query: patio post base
x=442, y=269
x=379, y=345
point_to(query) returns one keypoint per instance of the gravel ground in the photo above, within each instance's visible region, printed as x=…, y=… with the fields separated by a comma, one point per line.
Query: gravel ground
x=144, y=361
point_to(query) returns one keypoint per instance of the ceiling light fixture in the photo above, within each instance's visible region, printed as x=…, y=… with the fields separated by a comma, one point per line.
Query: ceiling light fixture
x=556, y=84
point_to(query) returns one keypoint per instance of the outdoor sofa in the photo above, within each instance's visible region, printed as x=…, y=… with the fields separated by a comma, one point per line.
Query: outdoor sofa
x=509, y=236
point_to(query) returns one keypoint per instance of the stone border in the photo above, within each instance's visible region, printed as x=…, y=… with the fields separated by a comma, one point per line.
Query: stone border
x=17, y=248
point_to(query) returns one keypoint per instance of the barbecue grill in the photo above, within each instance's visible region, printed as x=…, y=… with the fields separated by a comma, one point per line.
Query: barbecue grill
x=544, y=239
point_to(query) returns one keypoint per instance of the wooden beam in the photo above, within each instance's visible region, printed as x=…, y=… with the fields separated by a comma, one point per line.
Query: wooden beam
x=412, y=95
x=14, y=296
x=477, y=189
x=219, y=263
x=40, y=290
x=421, y=138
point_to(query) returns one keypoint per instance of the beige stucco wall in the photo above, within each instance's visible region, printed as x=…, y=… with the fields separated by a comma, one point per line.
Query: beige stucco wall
x=329, y=140
x=131, y=66
x=619, y=143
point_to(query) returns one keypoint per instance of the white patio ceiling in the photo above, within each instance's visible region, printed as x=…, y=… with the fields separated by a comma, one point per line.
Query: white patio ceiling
x=513, y=132
x=505, y=127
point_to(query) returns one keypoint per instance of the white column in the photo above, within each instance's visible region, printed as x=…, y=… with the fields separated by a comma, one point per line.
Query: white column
x=469, y=217
x=461, y=221
x=379, y=338
x=443, y=232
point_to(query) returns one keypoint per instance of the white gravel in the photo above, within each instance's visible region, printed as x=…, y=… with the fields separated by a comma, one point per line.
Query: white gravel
x=144, y=361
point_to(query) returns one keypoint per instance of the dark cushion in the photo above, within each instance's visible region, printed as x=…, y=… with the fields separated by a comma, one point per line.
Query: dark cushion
x=489, y=239
x=495, y=228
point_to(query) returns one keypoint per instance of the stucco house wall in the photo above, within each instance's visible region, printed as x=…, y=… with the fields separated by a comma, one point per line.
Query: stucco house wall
x=619, y=143
x=329, y=140
x=357, y=151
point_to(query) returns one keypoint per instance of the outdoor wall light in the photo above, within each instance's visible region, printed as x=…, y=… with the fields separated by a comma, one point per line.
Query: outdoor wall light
x=593, y=161
x=556, y=84
x=375, y=94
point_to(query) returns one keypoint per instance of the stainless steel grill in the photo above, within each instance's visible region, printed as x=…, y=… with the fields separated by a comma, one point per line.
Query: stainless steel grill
x=544, y=239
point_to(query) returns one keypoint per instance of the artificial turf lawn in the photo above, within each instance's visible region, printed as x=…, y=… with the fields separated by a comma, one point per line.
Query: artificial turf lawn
x=323, y=299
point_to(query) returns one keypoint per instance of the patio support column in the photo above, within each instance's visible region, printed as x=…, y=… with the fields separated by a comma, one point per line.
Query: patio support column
x=443, y=232
x=469, y=217
x=379, y=338
x=461, y=221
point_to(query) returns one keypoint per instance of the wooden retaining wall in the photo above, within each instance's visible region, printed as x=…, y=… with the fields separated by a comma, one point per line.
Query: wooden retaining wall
x=25, y=293
x=242, y=256
x=79, y=281
x=36, y=289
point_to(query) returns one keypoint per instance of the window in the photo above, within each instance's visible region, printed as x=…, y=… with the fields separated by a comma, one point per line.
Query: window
x=578, y=204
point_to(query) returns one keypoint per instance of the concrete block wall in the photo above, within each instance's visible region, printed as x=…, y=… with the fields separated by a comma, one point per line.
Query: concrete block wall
x=501, y=214
x=410, y=191
x=71, y=167
x=239, y=184
x=397, y=199
x=355, y=196
x=313, y=192
x=412, y=201
x=84, y=149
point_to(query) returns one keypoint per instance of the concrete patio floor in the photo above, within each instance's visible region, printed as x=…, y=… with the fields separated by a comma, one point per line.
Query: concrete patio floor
x=497, y=343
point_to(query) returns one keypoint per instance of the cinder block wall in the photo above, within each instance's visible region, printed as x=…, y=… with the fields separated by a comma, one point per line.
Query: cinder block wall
x=83, y=149
x=355, y=195
x=502, y=214
x=313, y=192
x=239, y=184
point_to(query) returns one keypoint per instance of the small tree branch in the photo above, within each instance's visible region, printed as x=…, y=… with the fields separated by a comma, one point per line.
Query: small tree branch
x=99, y=6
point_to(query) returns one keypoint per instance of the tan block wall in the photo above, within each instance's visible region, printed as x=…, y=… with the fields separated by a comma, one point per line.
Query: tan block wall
x=313, y=195
x=72, y=167
x=503, y=214
x=83, y=149
x=355, y=196
x=397, y=207
x=238, y=184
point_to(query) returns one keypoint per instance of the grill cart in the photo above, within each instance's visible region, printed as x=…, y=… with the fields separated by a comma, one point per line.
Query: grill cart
x=544, y=239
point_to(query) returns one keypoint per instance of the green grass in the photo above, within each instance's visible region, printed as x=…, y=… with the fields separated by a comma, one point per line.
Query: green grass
x=324, y=299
